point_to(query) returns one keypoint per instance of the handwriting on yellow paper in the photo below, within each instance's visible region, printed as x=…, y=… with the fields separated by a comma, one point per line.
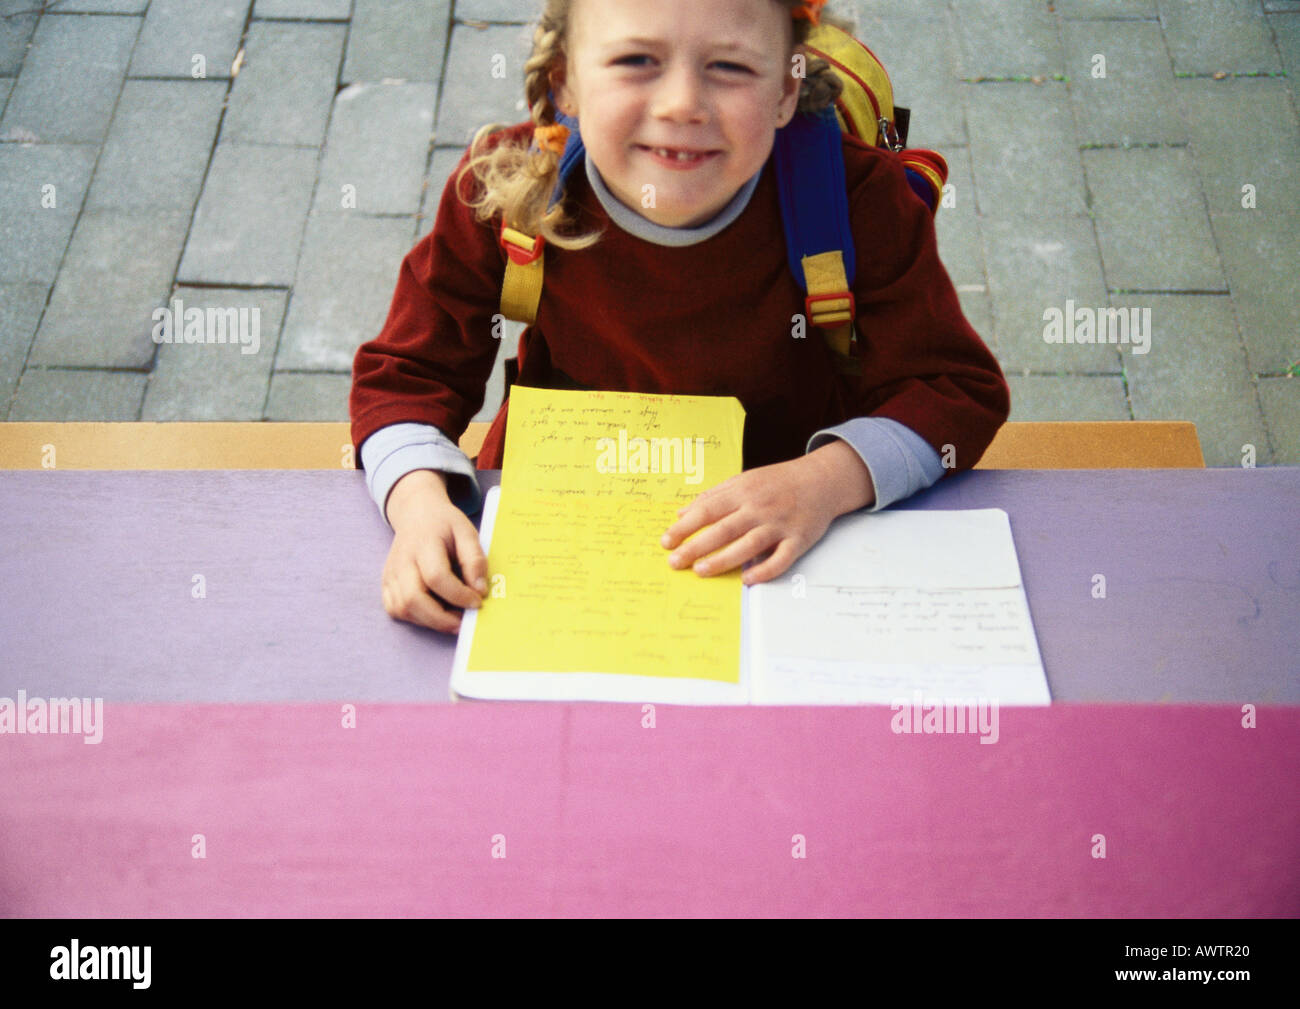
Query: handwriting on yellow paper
x=590, y=482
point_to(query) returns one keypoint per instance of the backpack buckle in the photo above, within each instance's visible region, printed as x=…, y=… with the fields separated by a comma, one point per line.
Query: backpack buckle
x=522, y=249
x=836, y=308
x=888, y=135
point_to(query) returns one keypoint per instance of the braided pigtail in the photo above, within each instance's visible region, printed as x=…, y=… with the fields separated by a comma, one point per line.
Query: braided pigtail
x=517, y=180
x=821, y=86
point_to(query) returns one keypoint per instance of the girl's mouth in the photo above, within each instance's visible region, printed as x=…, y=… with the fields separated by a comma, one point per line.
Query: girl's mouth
x=673, y=157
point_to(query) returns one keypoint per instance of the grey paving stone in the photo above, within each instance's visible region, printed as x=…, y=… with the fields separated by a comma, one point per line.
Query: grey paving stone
x=378, y=144
x=1260, y=148
x=1067, y=397
x=1025, y=157
x=1106, y=8
x=957, y=227
x=20, y=310
x=1206, y=36
x=441, y=165
x=397, y=39
x=1196, y=370
x=1151, y=221
x=6, y=85
x=1007, y=38
x=250, y=217
x=217, y=381
x=44, y=105
x=1260, y=252
x=343, y=290
x=118, y=269
x=175, y=31
x=1280, y=398
x=1036, y=265
x=495, y=10
x=1287, y=31
x=1135, y=102
x=17, y=22
x=283, y=93
x=304, y=10
x=471, y=95
x=938, y=118
x=34, y=237
x=60, y=395
x=158, y=146
x=102, y=6
x=919, y=52
x=319, y=396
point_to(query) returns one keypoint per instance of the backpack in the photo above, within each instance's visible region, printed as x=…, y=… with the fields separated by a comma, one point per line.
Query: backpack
x=819, y=239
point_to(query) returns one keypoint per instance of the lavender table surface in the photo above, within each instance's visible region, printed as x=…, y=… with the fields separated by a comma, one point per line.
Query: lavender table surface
x=99, y=585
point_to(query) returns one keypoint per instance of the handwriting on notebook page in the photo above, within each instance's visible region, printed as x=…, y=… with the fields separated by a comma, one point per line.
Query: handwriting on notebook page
x=590, y=483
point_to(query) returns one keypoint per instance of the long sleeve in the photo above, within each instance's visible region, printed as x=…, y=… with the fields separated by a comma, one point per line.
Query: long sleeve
x=398, y=449
x=430, y=363
x=900, y=461
x=923, y=364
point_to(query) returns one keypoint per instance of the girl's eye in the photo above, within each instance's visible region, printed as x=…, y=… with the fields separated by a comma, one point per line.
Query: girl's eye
x=642, y=60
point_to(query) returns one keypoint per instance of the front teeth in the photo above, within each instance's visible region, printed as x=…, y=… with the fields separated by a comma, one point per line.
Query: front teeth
x=680, y=155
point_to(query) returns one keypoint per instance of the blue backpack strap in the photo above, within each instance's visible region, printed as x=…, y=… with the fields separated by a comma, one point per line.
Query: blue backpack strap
x=815, y=212
x=814, y=192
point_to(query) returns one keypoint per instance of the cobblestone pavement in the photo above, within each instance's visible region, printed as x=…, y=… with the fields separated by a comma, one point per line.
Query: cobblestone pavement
x=283, y=155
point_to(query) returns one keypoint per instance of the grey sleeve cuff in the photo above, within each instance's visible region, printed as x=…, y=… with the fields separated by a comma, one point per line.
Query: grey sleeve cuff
x=393, y=451
x=899, y=460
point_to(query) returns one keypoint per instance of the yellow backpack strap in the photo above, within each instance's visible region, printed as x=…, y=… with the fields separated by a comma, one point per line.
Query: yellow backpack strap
x=521, y=290
x=830, y=305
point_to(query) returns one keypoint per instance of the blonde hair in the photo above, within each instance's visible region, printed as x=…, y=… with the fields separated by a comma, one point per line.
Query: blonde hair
x=517, y=182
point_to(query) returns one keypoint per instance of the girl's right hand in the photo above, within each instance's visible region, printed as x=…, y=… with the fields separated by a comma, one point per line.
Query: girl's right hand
x=432, y=539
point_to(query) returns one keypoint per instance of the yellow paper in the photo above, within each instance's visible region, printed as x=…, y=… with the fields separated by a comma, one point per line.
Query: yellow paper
x=580, y=582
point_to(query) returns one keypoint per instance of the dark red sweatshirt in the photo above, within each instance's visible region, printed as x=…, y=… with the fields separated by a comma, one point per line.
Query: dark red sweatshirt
x=713, y=318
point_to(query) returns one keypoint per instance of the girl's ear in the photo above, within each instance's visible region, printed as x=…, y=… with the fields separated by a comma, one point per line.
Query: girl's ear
x=793, y=81
x=560, y=88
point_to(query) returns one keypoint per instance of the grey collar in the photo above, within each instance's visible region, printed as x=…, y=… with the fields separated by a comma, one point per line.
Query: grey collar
x=632, y=222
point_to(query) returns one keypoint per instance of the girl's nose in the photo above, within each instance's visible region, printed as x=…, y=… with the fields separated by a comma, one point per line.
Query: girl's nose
x=680, y=95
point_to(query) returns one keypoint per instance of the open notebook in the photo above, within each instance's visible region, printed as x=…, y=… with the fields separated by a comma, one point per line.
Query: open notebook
x=889, y=607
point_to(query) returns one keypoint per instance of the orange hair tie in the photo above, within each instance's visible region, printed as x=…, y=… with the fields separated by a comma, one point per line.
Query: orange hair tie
x=552, y=138
x=809, y=10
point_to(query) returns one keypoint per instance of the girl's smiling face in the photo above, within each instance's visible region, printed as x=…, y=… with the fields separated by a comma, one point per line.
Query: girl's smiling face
x=680, y=95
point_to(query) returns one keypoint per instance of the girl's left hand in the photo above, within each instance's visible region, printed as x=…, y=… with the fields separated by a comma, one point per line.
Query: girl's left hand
x=784, y=508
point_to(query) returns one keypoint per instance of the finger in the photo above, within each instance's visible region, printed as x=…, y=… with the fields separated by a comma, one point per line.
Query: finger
x=695, y=516
x=706, y=541
x=774, y=566
x=708, y=493
x=435, y=571
x=737, y=553
x=406, y=598
x=473, y=564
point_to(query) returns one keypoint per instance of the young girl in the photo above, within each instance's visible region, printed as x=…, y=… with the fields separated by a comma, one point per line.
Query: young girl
x=690, y=294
